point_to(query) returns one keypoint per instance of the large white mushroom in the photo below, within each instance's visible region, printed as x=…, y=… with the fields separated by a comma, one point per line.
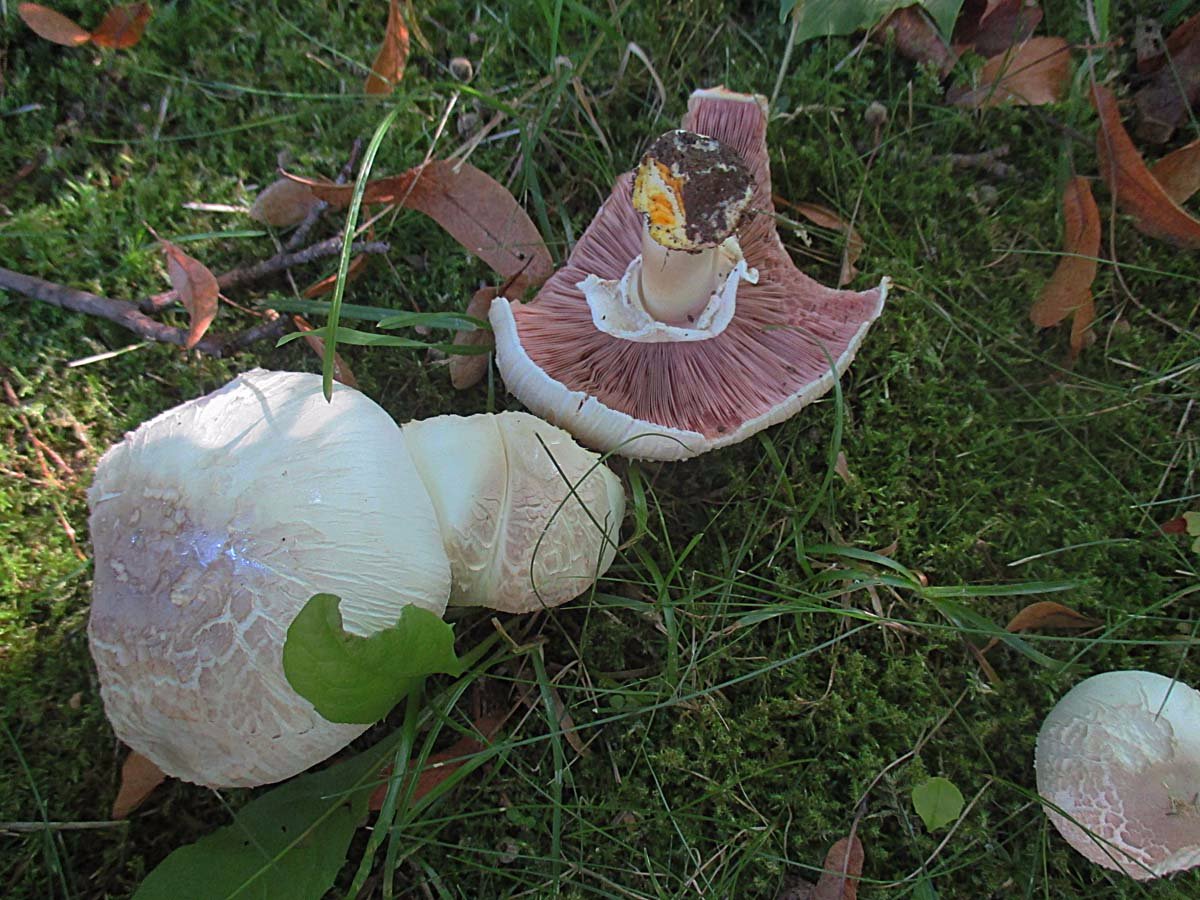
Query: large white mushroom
x=215, y=522
x=1119, y=755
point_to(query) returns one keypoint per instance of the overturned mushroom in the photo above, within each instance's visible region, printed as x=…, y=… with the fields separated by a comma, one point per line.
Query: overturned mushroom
x=1119, y=755
x=216, y=521
x=679, y=323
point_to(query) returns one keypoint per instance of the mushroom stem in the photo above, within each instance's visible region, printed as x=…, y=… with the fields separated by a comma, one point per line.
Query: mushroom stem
x=676, y=285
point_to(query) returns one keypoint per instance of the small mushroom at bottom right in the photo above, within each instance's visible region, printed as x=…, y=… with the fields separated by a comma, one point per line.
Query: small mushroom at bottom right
x=1118, y=762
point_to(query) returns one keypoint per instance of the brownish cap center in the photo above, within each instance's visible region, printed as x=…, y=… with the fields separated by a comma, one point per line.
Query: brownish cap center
x=692, y=189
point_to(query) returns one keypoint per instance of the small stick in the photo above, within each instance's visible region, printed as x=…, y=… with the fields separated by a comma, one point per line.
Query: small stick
x=277, y=263
x=34, y=827
x=127, y=315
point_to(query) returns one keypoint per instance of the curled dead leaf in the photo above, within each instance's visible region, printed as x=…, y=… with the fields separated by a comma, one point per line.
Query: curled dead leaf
x=1032, y=74
x=842, y=870
x=1133, y=187
x=1167, y=100
x=917, y=38
x=320, y=288
x=827, y=218
x=197, y=289
x=996, y=25
x=1071, y=284
x=122, y=26
x=51, y=25
x=468, y=370
x=1046, y=614
x=388, y=68
x=1179, y=172
x=441, y=766
x=381, y=190
x=139, y=778
x=284, y=203
x=342, y=373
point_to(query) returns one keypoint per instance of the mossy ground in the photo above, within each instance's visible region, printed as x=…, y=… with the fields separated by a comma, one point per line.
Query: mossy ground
x=745, y=705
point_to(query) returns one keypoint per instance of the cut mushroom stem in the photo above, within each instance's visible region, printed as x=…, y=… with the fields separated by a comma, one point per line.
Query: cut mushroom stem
x=675, y=285
x=692, y=192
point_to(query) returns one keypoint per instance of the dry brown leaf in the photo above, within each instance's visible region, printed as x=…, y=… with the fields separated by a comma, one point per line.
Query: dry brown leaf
x=197, y=289
x=1081, y=327
x=388, y=68
x=827, y=218
x=1071, y=284
x=53, y=26
x=1179, y=172
x=842, y=468
x=283, y=204
x=1166, y=101
x=1003, y=24
x=441, y=766
x=481, y=214
x=917, y=38
x=122, y=26
x=1033, y=74
x=342, y=373
x=1131, y=184
x=1048, y=614
x=468, y=370
x=842, y=869
x=1184, y=33
x=139, y=778
x=473, y=207
x=320, y=288
x=382, y=190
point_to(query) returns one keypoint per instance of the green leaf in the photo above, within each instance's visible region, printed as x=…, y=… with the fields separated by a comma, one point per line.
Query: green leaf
x=1193, y=528
x=938, y=802
x=822, y=18
x=355, y=679
x=288, y=844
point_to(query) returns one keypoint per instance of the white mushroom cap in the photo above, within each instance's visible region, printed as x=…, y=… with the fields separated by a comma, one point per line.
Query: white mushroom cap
x=529, y=518
x=212, y=525
x=1120, y=756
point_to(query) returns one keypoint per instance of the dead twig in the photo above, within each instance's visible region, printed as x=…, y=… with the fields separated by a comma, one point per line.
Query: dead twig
x=277, y=263
x=127, y=315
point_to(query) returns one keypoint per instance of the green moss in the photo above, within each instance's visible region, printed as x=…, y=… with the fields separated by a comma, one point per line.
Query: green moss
x=734, y=704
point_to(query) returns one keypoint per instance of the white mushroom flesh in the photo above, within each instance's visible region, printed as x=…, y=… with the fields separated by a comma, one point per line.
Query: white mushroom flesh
x=1119, y=755
x=529, y=518
x=212, y=525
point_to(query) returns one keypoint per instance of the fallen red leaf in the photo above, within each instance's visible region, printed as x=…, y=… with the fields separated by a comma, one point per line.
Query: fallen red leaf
x=388, y=68
x=441, y=766
x=842, y=870
x=1179, y=172
x=197, y=289
x=917, y=38
x=382, y=190
x=477, y=211
x=481, y=214
x=122, y=26
x=1033, y=74
x=467, y=370
x=1048, y=614
x=283, y=204
x=342, y=373
x=1166, y=101
x=1081, y=327
x=53, y=26
x=1178, y=525
x=827, y=218
x=1070, y=287
x=1133, y=187
x=320, y=288
x=139, y=778
x=1004, y=24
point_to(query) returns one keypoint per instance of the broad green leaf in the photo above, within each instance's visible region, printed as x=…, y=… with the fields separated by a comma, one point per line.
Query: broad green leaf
x=822, y=18
x=355, y=679
x=1193, y=528
x=938, y=802
x=288, y=844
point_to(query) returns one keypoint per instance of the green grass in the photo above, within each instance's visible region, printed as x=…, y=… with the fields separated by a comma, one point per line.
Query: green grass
x=735, y=699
